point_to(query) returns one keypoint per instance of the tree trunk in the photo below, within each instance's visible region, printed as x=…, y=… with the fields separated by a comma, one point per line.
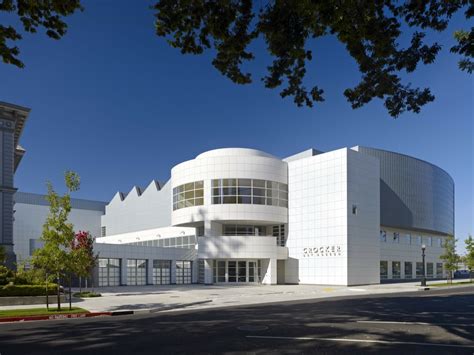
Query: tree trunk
x=59, y=295
x=80, y=284
x=70, y=293
x=47, y=293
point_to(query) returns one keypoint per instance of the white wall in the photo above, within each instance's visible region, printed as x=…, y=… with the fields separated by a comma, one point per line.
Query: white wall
x=318, y=218
x=148, y=210
x=403, y=250
x=327, y=244
x=363, y=191
x=240, y=247
x=29, y=220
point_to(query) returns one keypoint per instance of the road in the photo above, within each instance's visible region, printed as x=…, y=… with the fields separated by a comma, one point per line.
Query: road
x=425, y=322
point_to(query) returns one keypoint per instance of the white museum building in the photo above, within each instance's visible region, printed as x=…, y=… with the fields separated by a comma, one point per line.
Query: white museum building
x=350, y=216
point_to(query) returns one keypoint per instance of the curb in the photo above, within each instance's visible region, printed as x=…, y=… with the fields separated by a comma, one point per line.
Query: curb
x=95, y=314
x=54, y=317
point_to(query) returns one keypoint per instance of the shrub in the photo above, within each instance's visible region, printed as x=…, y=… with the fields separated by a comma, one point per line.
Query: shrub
x=6, y=275
x=27, y=290
x=29, y=276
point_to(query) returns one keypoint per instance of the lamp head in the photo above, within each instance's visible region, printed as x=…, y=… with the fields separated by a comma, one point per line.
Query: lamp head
x=423, y=247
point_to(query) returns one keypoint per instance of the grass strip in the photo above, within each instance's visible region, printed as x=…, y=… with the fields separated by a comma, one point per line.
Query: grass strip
x=445, y=284
x=40, y=312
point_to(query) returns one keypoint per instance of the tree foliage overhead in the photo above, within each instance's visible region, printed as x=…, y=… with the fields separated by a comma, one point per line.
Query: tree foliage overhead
x=370, y=30
x=46, y=14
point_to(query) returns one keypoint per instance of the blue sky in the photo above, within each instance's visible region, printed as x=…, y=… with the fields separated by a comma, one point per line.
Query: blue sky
x=115, y=103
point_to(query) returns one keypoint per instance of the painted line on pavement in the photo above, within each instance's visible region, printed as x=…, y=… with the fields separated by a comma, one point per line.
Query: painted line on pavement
x=348, y=340
x=414, y=323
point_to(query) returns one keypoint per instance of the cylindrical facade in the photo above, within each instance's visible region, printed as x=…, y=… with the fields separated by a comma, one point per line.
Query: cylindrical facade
x=414, y=194
x=230, y=185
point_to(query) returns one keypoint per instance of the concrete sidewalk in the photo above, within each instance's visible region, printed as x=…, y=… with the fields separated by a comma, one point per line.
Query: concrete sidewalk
x=175, y=297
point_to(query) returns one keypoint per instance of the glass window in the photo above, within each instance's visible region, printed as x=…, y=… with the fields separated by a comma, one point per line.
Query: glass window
x=429, y=270
x=229, y=199
x=418, y=240
x=419, y=270
x=221, y=271
x=109, y=272
x=183, y=272
x=396, y=269
x=136, y=271
x=408, y=270
x=408, y=239
x=245, y=191
x=242, y=272
x=259, y=200
x=439, y=242
x=245, y=182
x=188, y=195
x=161, y=272
x=383, y=269
x=232, y=270
x=383, y=236
x=439, y=270
x=229, y=182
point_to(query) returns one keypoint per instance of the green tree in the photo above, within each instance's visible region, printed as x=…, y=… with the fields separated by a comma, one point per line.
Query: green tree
x=371, y=31
x=84, y=258
x=450, y=257
x=55, y=257
x=469, y=258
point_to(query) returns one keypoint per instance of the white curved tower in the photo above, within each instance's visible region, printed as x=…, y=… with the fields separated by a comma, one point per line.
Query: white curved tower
x=237, y=199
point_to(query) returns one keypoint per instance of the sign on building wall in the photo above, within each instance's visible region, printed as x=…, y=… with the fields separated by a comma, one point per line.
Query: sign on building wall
x=325, y=250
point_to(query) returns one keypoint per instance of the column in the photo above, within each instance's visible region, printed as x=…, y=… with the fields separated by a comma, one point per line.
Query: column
x=269, y=271
x=149, y=272
x=173, y=272
x=123, y=271
x=208, y=272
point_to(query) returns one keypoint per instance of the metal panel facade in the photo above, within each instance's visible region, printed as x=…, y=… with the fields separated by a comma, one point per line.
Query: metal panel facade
x=414, y=194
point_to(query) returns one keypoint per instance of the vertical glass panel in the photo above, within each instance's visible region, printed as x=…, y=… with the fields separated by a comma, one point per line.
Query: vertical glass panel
x=429, y=270
x=244, y=182
x=383, y=269
x=408, y=270
x=439, y=270
x=221, y=271
x=229, y=182
x=419, y=270
x=396, y=269
x=199, y=184
x=242, y=271
x=232, y=271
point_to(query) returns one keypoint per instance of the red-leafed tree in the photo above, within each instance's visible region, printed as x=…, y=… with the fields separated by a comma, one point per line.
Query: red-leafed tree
x=84, y=260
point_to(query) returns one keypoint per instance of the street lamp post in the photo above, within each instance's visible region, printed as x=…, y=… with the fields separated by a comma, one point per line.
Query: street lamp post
x=423, y=277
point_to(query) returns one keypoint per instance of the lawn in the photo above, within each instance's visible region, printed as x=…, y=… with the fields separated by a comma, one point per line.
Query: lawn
x=445, y=284
x=39, y=312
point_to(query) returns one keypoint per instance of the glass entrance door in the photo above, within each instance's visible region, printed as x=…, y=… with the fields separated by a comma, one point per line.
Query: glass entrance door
x=252, y=271
x=235, y=271
x=232, y=271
